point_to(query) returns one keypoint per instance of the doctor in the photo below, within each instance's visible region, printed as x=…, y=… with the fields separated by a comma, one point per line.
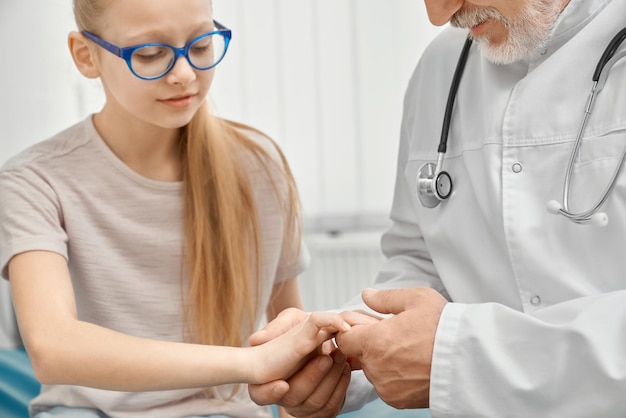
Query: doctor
x=505, y=310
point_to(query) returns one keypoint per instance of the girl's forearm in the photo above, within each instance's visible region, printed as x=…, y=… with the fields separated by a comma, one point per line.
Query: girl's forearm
x=89, y=355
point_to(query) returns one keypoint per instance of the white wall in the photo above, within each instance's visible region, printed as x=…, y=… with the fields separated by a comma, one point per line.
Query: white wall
x=41, y=91
x=325, y=78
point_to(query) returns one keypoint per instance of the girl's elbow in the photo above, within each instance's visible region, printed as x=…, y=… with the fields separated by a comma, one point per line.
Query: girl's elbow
x=45, y=363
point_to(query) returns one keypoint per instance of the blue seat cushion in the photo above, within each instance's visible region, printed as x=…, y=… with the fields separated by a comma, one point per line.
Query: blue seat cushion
x=17, y=384
x=379, y=409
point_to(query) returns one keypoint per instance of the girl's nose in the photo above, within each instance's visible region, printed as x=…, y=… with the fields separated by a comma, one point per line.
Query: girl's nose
x=440, y=11
x=182, y=72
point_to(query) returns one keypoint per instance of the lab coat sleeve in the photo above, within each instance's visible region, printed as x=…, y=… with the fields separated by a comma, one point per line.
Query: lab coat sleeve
x=567, y=360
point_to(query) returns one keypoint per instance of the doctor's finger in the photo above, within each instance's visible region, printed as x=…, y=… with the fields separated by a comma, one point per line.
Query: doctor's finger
x=352, y=342
x=395, y=301
x=319, y=387
x=268, y=393
x=359, y=318
x=327, y=400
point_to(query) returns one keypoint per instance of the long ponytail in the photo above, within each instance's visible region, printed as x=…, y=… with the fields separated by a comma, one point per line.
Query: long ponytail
x=221, y=234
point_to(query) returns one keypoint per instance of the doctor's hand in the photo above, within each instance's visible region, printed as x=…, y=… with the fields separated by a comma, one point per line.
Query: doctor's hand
x=318, y=389
x=396, y=353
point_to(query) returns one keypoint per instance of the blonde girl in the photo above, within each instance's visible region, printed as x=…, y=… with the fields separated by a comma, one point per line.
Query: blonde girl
x=147, y=242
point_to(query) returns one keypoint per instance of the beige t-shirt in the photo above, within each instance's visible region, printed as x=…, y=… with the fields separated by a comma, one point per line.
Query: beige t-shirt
x=121, y=234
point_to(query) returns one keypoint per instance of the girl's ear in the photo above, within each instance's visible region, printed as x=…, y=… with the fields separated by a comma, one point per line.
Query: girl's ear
x=83, y=55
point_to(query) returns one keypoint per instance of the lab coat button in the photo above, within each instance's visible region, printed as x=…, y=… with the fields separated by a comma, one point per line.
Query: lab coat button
x=535, y=300
x=517, y=168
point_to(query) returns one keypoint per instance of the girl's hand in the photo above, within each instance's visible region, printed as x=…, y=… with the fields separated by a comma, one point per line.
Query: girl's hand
x=284, y=321
x=283, y=356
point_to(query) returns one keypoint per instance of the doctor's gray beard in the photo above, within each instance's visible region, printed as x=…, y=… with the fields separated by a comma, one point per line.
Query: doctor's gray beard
x=528, y=33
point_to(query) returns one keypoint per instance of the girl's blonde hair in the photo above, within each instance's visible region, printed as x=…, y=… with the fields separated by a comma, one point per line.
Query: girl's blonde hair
x=221, y=226
x=221, y=230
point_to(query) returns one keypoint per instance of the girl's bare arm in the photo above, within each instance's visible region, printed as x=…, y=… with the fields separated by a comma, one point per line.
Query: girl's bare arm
x=65, y=350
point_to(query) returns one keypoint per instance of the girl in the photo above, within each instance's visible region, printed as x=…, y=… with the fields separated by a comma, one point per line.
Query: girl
x=146, y=243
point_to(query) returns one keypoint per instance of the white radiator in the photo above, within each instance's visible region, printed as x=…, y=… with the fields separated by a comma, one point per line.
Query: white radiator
x=341, y=266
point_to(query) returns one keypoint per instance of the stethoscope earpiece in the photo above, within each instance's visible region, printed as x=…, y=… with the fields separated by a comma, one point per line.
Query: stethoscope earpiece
x=600, y=219
x=597, y=219
x=554, y=207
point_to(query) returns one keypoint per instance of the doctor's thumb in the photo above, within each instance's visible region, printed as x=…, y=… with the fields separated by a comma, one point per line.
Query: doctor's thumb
x=392, y=301
x=268, y=393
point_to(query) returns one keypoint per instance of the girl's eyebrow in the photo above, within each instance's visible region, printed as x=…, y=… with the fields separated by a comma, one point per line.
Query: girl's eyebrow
x=163, y=36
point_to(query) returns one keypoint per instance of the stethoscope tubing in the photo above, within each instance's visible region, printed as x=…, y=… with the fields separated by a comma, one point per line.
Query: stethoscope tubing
x=608, y=53
x=587, y=216
x=454, y=88
x=428, y=175
x=434, y=185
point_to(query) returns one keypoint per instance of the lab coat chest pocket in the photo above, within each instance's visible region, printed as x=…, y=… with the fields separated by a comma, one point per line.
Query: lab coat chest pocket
x=599, y=156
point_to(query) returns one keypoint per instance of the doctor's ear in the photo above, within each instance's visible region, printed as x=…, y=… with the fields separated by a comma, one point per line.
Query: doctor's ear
x=83, y=54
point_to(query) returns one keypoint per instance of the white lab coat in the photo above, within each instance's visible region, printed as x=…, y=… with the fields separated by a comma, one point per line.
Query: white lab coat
x=538, y=323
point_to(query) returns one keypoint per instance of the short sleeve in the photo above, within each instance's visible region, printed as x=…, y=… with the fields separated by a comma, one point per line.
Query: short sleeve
x=293, y=263
x=269, y=174
x=295, y=256
x=30, y=216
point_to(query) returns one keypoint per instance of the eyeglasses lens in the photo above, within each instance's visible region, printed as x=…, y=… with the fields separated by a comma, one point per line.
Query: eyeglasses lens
x=154, y=61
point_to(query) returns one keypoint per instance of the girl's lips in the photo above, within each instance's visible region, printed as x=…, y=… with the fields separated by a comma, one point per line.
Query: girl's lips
x=178, y=102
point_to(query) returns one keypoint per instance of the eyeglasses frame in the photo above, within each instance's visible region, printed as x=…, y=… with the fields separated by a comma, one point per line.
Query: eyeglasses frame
x=127, y=52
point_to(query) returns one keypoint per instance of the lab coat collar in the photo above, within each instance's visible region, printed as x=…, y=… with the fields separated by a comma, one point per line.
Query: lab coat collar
x=574, y=17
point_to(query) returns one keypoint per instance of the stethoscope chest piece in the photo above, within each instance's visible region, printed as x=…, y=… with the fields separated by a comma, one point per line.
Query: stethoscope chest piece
x=433, y=186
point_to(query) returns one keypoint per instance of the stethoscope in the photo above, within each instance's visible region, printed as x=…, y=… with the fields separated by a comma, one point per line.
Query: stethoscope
x=434, y=184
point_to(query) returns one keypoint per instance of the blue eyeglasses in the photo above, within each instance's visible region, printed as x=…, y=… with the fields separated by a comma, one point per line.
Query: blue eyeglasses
x=154, y=60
